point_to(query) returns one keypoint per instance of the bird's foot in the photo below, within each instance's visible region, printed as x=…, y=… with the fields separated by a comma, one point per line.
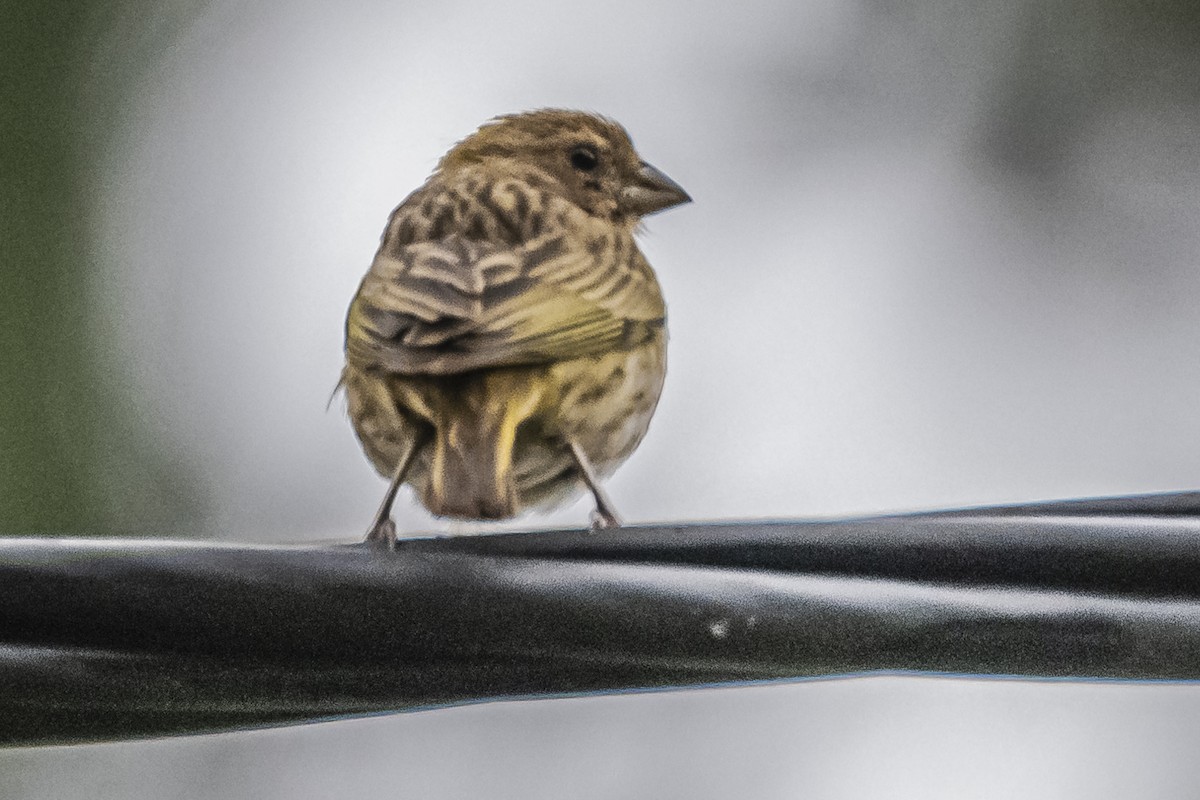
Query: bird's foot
x=382, y=535
x=603, y=519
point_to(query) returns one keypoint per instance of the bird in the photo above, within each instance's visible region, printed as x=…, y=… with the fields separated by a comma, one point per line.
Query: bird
x=506, y=349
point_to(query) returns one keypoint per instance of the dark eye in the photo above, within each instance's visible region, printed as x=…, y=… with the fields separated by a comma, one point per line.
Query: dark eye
x=584, y=158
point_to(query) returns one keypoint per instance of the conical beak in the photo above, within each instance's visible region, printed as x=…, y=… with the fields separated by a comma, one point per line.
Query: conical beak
x=651, y=191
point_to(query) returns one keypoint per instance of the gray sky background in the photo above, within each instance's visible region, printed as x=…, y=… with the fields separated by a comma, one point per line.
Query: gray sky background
x=870, y=308
x=939, y=256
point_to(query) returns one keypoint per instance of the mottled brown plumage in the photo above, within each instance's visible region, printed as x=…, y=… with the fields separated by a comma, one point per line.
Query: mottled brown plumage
x=508, y=345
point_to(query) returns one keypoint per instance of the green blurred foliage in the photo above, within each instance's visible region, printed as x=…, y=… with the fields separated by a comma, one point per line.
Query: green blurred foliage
x=74, y=456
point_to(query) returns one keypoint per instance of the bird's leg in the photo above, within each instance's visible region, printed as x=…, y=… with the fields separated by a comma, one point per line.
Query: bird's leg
x=605, y=516
x=382, y=533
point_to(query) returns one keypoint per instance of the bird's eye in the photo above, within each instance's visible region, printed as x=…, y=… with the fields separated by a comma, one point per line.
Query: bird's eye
x=584, y=158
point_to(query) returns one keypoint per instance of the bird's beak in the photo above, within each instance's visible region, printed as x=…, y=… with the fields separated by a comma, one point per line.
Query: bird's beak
x=651, y=191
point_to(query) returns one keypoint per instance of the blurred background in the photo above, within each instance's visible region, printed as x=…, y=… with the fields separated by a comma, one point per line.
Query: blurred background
x=940, y=255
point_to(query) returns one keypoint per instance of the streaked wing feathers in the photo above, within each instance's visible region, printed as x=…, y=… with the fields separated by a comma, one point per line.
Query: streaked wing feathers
x=460, y=304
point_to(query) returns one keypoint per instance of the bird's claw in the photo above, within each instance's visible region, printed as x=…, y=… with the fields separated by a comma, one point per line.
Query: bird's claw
x=382, y=535
x=604, y=520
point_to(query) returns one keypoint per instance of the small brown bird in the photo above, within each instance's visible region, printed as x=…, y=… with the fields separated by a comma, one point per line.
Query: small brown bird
x=507, y=347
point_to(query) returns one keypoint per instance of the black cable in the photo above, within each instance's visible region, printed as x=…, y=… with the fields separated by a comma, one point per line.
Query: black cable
x=113, y=639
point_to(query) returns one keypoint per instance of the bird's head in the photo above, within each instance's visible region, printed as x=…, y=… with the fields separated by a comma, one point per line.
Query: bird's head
x=589, y=156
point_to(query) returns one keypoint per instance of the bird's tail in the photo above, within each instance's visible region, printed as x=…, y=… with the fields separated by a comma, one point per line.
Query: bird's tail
x=472, y=471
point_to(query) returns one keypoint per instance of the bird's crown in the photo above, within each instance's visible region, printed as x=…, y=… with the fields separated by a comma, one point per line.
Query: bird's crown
x=541, y=132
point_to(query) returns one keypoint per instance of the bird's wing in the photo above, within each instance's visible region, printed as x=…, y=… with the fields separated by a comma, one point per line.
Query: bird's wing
x=461, y=302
